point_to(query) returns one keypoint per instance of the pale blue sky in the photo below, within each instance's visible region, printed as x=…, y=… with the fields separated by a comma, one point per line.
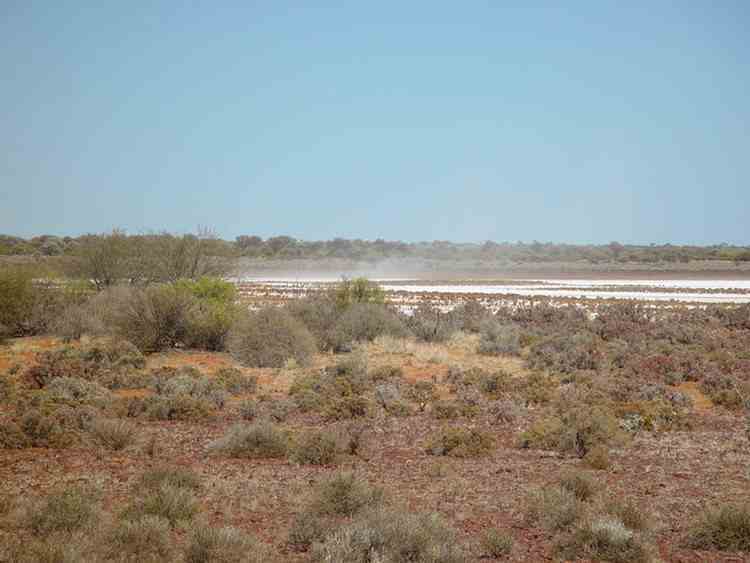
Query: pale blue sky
x=565, y=121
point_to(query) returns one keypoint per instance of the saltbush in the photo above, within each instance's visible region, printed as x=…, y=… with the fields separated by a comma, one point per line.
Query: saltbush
x=496, y=339
x=460, y=442
x=262, y=440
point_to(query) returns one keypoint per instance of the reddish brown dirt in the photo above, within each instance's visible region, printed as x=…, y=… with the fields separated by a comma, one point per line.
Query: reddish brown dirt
x=672, y=475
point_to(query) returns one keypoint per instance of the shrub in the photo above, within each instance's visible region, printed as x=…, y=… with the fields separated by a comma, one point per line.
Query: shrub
x=43, y=431
x=223, y=545
x=319, y=315
x=385, y=535
x=113, y=434
x=554, y=508
x=724, y=528
x=363, y=322
x=252, y=441
x=279, y=411
x=249, y=409
x=494, y=385
x=307, y=528
x=357, y=291
x=207, y=325
x=469, y=315
x=176, y=477
x=430, y=324
x=342, y=408
x=17, y=299
x=629, y=513
x=66, y=510
x=598, y=457
x=580, y=484
x=446, y=410
x=567, y=354
x=344, y=495
x=315, y=447
x=497, y=544
x=154, y=318
x=460, y=442
x=497, y=339
x=422, y=393
x=386, y=373
x=269, y=337
x=11, y=436
x=236, y=382
x=144, y=539
x=197, y=387
x=175, y=504
x=172, y=407
x=80, y=391
x=604, y=539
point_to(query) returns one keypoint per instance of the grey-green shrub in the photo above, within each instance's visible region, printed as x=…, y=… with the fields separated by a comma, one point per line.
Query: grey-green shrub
x=261, y=440
x=269, y=337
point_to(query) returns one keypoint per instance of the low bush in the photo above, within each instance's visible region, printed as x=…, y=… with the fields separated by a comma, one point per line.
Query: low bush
x=554, y=508
x=269, y=337
x=79, y=391
x=44, y=431
x=460, y=442
x=176, y=477
x=580, y=484
x=363, y=322
x=567, y=353
x=496, y=544
x=386, y=535
x=496, y=339
x=261, y=440
x=154, y=318
x=172, y=407
x=724, y=528
x=344, y=495
x=224, y=545
x=145, y=539
x=207, y=325
x=174, y=504
x=604, y=539
x=307, y=528
x=249, y=409
x=315, y=447
x=430, y=324
x=319, y=314
x=113, y=434
x=629, y=513
x=196, y=386
x=236, y=382
x=422, y=393
x=66, y=510
x=469, y=315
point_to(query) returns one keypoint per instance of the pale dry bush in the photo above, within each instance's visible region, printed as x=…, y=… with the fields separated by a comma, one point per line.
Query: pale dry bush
x=394, y=344
x=431, y=354
x=464, y=342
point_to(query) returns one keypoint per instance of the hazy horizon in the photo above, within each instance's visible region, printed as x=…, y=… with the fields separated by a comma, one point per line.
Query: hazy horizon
x=578, y=124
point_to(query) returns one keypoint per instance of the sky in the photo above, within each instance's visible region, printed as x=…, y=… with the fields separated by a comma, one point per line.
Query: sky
x=580, y=122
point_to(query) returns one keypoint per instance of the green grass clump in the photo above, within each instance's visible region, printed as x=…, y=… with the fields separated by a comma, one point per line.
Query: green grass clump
x=460, y=442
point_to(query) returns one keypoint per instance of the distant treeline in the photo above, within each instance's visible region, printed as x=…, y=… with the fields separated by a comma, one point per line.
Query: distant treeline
x=286, y=247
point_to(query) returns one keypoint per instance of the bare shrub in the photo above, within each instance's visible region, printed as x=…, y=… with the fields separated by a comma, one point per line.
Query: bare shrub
x=223, y=545
x=497, y=544
x=497, y=339
x=236, y=382
x=344, y=495
x=177, y=477
x=724, y=528
x=113, y=434
x=319, y=314
x=154, y=318
x=581, y=484
x=76, y=390
x=261, y=440
x=269, y=337
x=430, y=324
x=460, y=442
x=386, y=535
x=66, y=510
x=363, y=322
x=554, y=508
x=175, y=504
x=144, y=539
x=604, y=539
x=315, y=447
